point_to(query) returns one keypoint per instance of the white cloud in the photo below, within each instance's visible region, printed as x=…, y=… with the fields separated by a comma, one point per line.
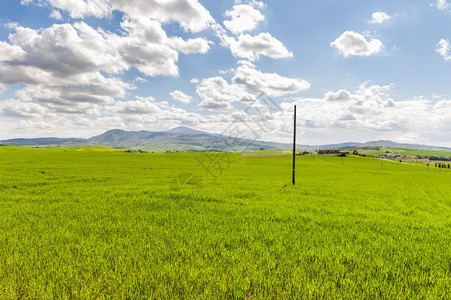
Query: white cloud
x=217, y=94
x=370, y=113
x=355, y=44
x=55, y=14
x=197, y=45
x=15, y=108
x=139, y=106
x=194, y=80
x=245, y=86
x=253, y=3
x=12, y=25
x=442, y=4
x=243, y=18
x=10, y=53
x=272, y=84
x=190, y=14
x=366, y=113
x=380, y=17
x=67, y=66
x=140, y=79
x=223, y=72
x=180, y=96
x=143, y=113
x=67, y=49
x=23, y=118
x=252, y=47
x=148, y=48
x=81, y=9
x=444, y=49
x=87, y=88
x=341, y=95
x=61, y=66
x=55, y=58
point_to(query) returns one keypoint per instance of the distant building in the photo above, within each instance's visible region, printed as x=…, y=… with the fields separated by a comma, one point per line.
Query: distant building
x=302, y=153
x=329, y=151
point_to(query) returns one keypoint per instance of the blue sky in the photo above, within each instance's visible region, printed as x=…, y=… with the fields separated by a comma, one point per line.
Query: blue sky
x=358, y=70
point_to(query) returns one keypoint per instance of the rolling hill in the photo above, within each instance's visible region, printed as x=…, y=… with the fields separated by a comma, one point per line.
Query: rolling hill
x=183, y=138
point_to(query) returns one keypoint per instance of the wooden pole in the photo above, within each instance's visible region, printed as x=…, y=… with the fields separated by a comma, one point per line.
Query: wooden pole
x=294, y=148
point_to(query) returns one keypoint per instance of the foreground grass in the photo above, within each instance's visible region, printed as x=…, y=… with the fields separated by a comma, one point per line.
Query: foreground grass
x=83, y=224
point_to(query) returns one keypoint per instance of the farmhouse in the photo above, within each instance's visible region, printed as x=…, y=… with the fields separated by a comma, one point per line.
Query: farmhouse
x=329, y=151
x=302, y=153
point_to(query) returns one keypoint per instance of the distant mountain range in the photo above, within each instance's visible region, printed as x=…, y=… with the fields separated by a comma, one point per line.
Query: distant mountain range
x=186, y=139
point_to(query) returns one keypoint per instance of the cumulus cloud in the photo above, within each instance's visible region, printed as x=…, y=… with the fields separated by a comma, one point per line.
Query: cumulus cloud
x=243, y=18
x=80, y=9
x=355, y=44
x=87, y=88
x=74, y=67
x=67, y=66
x=66, y=49
x=272, y=84
x=245, y=86
x=139, y=106
x=442, y=4
x=138, y=114
x=252, y=47
x=444, y=49
x=55, y=14
x=197, y=45
x=380, y=17
x=217, y=94
x=148, y=48
x=61, y=66
x=366, y=113
x=341, y=95
x=15, y=108
x=69, y=75
x=253, y=3
x=143, y=113
x=180, y=96
x=190, y=14
x=12, y=25
x=370, y=113
x=140, y=79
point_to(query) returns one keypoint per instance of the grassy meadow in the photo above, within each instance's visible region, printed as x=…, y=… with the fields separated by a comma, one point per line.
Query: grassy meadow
x=406, y=152
x=97, y=223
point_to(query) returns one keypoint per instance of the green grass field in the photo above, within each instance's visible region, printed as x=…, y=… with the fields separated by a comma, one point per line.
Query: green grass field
x=101, y=224
x=406, y=152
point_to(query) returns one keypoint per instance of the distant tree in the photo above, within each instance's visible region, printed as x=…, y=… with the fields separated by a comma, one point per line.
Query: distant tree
x=355, y=152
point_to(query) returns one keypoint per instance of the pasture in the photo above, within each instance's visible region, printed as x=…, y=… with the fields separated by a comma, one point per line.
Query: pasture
x=96, y=223
x=405, y=152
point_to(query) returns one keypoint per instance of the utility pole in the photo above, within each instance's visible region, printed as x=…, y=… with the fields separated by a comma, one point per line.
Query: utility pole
x=294, y=148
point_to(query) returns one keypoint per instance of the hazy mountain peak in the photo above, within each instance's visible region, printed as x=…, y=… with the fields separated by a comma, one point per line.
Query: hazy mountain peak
x=185, y=130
